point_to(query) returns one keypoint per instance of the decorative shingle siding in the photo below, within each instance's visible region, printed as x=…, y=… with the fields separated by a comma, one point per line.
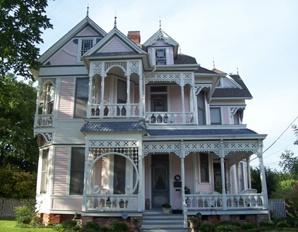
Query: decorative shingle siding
x=66, y=98
x=60, y=171
x=68, y=132
x=115, y=45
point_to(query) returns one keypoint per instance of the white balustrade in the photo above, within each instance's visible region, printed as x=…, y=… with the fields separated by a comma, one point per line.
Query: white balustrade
x=234, y=201
x=168, y=117
x=110, y=202
x=44, y=120
x=114, y=110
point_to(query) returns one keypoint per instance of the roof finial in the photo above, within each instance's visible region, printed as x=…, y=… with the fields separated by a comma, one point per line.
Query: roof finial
x=115, y=22
x=159, y=24
x=213, y=64
x=87, y=9
x=237, y=71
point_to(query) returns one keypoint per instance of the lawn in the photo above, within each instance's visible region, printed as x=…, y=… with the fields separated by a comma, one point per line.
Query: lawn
x=8, y=224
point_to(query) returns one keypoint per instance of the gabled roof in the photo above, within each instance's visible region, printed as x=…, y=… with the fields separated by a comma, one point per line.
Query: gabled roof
x=184, y=59
x=106, y=46
x=74, y=31
x=160, y=34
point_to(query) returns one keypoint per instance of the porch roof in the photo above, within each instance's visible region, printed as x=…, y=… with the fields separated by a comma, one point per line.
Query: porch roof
x=113, y=126
x=198, y=132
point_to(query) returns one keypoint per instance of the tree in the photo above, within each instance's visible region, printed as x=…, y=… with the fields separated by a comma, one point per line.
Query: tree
x=18, y=147
x=21, y=23
x=295, y=128
x=289, y=163
x=272, y=180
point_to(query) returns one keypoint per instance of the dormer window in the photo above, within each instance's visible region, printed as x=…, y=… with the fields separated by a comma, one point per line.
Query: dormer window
x=160, y=56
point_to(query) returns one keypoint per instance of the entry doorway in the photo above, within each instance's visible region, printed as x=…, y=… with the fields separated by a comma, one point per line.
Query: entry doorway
x=160, y=179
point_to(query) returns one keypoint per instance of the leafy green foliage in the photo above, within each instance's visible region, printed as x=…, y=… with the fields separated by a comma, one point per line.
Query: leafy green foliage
x=272, y=180
x=117, y=226
x=21, y=24
x=18, y=147
x=289, y=163
x=17, y=184
x=26, y=214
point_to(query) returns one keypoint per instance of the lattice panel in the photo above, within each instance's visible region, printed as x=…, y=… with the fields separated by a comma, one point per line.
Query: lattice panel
x=114, y=143
x=131, y=152
x=202, y=147
x=244, y=146
x=109, y=64
x=134, y=67
x=162, y=148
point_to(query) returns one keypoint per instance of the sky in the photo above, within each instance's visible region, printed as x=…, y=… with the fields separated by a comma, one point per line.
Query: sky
x=257, y=38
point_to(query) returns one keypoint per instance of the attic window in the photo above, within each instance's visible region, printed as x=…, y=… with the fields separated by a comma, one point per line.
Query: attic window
x=160, y=55
x=86, y=45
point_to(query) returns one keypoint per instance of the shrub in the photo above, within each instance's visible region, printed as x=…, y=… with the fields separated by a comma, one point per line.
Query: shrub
x=117, y=226
x=267, y=224
x=25, y=214
x=104, y=229
x=206, y=227
x=282, y=224
x=247, y=225
x=226, y=228
x=91, y=227
x=69, y=225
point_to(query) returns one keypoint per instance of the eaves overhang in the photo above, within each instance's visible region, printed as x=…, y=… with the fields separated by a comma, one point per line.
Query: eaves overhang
x=179, y=67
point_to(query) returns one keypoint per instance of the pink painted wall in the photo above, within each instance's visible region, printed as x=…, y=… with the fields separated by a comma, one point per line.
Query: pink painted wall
x=65, y=98
x=60, y=172
x=115, y=45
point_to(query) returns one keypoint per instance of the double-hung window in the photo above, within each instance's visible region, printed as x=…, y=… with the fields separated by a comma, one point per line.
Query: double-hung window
x=81, y=97
x=44, y=171
x=215, y=115
x=86, y=44
x=76, y=185
x=204, y=167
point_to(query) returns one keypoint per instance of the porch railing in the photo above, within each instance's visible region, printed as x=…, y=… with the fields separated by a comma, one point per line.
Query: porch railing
x=110, y=202
x=233, y=201
x=169, y=117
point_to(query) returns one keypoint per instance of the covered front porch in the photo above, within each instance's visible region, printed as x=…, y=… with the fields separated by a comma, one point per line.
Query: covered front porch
x=209, y=177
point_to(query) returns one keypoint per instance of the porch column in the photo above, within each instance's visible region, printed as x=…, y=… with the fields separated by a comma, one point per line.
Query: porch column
x=262, y=175
x=248, y=172
x=183, y=206
x=140, y=94
x=182, y=98
x=223, y=181
x=102, y=95
x=128, y=95
x=141, y=193
x=90, y=94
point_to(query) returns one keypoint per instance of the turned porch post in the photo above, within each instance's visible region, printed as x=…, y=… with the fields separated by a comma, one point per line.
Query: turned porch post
x=182, y=98
x=183, y=206
x=248, y=172
x=223, y=181
x=127, y=94
x=262, y=175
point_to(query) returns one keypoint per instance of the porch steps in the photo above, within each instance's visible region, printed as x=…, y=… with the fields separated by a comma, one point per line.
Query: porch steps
x=156, y=221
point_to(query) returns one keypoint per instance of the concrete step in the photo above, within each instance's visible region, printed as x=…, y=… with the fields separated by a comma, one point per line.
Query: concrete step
x=156, y=221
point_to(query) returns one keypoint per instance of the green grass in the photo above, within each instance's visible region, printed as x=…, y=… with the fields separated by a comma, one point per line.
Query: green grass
x=9, y=224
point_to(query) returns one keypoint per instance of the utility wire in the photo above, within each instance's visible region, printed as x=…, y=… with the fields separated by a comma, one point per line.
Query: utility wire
x=280, y=135
x=277, y=138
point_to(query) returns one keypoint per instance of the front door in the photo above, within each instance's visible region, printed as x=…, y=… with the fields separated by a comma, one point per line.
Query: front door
x=160, y=180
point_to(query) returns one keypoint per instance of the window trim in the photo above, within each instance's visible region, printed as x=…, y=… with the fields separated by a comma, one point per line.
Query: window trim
x=162, y=59
x=80, y=41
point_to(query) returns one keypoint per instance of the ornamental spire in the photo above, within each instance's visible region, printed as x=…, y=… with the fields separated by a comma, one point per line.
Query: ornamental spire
x=115, y=22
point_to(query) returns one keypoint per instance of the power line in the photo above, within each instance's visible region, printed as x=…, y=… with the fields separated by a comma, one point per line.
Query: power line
x=280, y=135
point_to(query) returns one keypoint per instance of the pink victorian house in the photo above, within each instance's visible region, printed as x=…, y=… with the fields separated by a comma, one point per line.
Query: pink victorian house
x=125, y=127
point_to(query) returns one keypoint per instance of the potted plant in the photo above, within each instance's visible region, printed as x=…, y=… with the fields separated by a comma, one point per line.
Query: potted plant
x=166, y=208
x=193, y=223
x=186, y=190
x=136, y=223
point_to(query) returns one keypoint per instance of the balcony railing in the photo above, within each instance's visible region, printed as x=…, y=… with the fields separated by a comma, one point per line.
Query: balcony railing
x=114, y=110
x=169, y=117
x=44, y=120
